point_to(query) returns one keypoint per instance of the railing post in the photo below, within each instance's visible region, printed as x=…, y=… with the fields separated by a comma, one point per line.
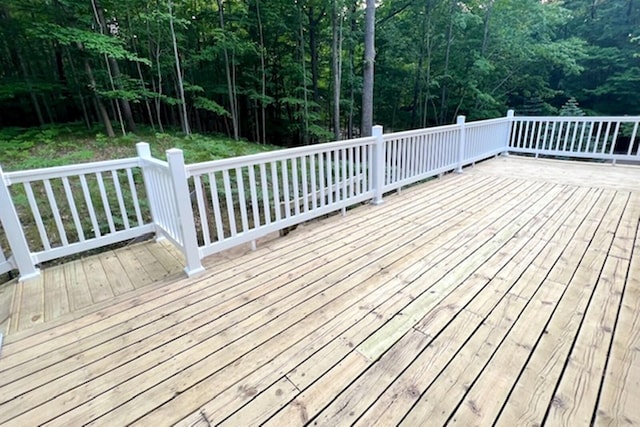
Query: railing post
x=378, y=164
x=461, y=143
x=15, y=234
x=185, y=211
x=144, y=153
x=510, y=115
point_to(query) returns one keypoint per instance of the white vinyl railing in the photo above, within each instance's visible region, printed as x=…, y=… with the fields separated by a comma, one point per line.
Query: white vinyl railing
x=607, y=138
x=207, y=207
x=5, y=257
x=241, y=199
x=79, y=207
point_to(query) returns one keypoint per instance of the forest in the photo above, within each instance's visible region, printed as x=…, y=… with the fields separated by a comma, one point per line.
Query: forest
x=291, y=72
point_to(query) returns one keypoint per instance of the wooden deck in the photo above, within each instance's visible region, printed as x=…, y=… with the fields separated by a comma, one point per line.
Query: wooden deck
x=509, y=294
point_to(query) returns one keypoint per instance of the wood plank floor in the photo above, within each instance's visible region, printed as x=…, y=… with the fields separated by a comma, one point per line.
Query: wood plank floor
x=485, y=298
x=69, y=290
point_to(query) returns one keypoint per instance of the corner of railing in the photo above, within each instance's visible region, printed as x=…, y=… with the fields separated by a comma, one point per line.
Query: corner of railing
x=15, y=234
x=378, y=164
x=178, y=172
x=144, y=153
x=460, y=121
x=507, y=137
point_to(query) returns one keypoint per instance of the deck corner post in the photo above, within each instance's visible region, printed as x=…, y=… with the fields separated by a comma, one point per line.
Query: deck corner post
x=507, y=137
x=460, y=121
x=178, y=172
x=20, y=252
x=378, y=164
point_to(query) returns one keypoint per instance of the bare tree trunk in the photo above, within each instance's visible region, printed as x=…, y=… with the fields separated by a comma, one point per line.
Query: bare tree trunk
x=443, y=99
x=305, y=135
x=337, y=65
x=185, y=117
x=263, y=136
x=123, y=107
x=101, y=110
x=233, y=104
x=369, y=58
x=34, y=99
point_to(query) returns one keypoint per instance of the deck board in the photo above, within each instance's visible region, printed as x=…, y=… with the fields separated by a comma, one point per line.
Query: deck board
x=505, y=295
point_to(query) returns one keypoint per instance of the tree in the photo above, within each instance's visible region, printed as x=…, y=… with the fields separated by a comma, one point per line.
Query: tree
x=369, y=58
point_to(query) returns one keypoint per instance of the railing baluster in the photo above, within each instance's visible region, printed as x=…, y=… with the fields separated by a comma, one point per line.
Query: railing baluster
x=614, y=139
x=305, y=183
x=242, y=200
x=266, y=204
x=285, y=188
x=44, y=238
x=314, y=186
x=343, y=154
x=123, y=210
x=105, y=202
x=90, y=208
x=255, y=207
x=596, y=144
x=352, y=177
x=581, y=140
x=634, y=133
x=573, y=137
x=74, y=210
x=202, y=211
x=294, y=177
x=56, y=212
x=329, y=166
x=229, y=202
x=276, y=191
x=336, y=174
x=566, y=135
x=134, y=197
x=605, y=140
x=215, y=202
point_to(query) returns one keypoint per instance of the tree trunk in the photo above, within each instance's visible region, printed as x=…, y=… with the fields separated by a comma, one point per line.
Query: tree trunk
x=124, y=107
x=305, y=135
x=185, y=117
x=100, y=109
x=445, y=83
x=336, y=61
x=233, y=104
x=369, y=58
x=263, y=136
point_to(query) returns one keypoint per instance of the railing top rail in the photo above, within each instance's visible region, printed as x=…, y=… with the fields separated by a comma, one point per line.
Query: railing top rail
x=270, y=156
x=415, y=132
x=623, y=119
x=486, y=122
x=155, y=162
x=30, y=175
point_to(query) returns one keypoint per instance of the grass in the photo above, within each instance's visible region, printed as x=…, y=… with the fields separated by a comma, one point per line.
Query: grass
x=59, y=145
x=69, y=144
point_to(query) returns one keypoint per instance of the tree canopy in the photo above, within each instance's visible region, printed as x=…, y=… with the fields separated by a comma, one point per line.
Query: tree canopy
x=291, y=72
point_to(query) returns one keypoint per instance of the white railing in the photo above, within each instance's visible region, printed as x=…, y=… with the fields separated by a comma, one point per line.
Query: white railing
x=71, y=209
x=415, y=155
x=241, y=199
x=5, y=257
x=606, y=138
x=207, y=207
x=485, y=138
x=419, y=154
